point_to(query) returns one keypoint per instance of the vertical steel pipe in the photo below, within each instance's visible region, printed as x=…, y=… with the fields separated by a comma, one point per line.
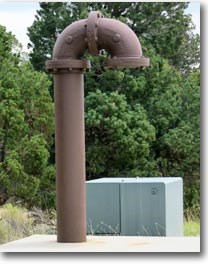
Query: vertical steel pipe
x=94, y=34
x=70, y=156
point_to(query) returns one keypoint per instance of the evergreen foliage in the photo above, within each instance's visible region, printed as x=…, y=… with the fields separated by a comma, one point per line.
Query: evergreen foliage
x=26, y=125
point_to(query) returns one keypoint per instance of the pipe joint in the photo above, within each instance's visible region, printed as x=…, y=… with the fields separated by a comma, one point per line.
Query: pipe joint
x=95, y=34
x=92, y=28
x=62, y=65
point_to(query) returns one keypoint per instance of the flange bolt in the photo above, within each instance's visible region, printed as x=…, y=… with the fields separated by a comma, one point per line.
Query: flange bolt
x=69, y=39
x=116, y=38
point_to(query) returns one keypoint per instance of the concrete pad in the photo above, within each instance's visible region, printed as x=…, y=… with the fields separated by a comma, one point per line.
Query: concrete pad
x=47, y=243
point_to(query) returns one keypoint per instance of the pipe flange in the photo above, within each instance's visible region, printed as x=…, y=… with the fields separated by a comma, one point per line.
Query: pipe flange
x=92, y=25
x=70, y=64
x=130, y=62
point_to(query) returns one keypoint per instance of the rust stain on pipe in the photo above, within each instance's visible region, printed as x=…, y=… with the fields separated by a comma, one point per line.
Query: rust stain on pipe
x=94, y=34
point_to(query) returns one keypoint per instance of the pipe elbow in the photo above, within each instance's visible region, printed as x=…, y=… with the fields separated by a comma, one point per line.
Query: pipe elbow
x=71, y=42
x=97, y=33
x=118, y=39
x=121, y=43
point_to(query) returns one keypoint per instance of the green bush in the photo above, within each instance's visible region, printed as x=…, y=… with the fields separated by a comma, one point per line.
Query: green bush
x=192, y=201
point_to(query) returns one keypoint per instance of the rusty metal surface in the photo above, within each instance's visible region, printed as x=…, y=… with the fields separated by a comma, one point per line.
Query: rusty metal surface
x=67, y=64
x=71, y=42
x=92, y=28
x=70, y=157
x=95, y=33
x=131, y=62
x=118, y=39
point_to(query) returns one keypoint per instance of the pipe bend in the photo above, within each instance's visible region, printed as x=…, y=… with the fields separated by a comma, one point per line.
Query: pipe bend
x=71, y=42
x=97, y=33
x=118, y=39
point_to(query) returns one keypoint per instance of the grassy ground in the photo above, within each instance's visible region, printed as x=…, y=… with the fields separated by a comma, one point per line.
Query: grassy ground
x=17, y=222
x=192, y=228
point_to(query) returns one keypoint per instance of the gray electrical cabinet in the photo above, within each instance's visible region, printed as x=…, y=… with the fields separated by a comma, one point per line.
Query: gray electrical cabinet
x=135, y=206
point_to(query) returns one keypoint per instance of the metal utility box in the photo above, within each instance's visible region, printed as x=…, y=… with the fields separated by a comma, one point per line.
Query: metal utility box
x=135, y=206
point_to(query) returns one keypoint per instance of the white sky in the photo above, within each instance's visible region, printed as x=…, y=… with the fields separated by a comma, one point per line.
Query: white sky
x=17, y=16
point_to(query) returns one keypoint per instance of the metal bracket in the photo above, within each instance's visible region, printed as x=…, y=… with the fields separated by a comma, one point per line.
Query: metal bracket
x=92, y=25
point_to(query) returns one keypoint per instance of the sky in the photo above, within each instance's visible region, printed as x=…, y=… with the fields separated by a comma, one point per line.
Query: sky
x=17, y=16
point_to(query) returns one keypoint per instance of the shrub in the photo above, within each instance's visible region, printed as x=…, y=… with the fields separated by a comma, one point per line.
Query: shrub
x=15, y=223
x=192, y=201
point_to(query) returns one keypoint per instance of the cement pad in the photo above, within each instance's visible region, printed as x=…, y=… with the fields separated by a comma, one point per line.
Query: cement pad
x=47, y=243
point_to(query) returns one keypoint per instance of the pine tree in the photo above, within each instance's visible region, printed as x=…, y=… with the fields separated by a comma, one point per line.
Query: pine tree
x=26, y=125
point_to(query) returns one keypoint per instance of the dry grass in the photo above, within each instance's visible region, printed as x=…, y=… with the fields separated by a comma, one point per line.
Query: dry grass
x=192, y=228
x=15, y=223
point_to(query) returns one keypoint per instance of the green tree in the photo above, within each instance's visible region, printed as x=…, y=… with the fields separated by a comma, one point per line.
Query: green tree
x=118, y=136
x=7, y=43
x=181, y=145
x=26, y=125
x=162, y=91
x=50, y=21
x=183, y=141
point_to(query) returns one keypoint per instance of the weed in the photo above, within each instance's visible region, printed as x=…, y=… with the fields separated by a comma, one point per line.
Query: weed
x=14, y=223
x=192, y=228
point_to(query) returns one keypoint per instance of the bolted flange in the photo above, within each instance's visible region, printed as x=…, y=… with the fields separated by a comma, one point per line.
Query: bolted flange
x=97, y=33
x=92, y=25
x=127, y=62
x=69, y=64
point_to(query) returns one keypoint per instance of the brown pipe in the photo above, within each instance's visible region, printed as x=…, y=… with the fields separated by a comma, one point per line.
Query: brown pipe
x=99, y=33
x=70, y=156
x=71, y=42
x=94, y=34
x=118, y=39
